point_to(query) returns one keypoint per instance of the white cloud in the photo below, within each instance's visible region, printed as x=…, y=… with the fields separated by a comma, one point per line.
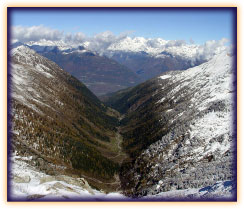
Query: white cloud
x=210, y=48
x=76, y=38
x=98, y=42
x=79, y=37
x=175, y=43
x=102, y=41
x=35, y=33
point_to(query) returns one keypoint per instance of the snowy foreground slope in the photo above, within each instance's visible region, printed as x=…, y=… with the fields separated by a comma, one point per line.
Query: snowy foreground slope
x=27, y=183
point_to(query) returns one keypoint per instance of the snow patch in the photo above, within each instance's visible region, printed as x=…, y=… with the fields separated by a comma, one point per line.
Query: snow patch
x=165, y=76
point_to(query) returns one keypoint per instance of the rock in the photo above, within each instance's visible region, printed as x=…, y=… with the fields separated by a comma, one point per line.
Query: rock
x=35, y=196
x=41, y=162
x=74, y=181
x=60, y=186
x=21, y=179
x=47, y=179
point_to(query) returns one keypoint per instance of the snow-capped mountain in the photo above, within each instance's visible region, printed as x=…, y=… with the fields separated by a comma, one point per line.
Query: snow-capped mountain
x=100, y=74
x=156, y=47
x=159, y=47
x=180, y=128
x=152, y=46
x=152, y=57
x=61, y=45
x=146, y=57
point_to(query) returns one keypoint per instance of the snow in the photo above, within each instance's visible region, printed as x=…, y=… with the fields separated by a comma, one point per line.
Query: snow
x=204, y=124
x=60, y=44
x=161, y=48
x=41, y=68
x=212, y=126
x=26, y=66
x=165, y=76
x=156, y=47
x=219, y=190
x=27, y=182
x=212, y=82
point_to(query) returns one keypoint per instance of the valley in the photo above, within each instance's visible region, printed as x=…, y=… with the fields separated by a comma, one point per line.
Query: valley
x=174, y=132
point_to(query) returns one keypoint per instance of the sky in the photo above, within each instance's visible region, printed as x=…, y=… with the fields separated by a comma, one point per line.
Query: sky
x=170, y=24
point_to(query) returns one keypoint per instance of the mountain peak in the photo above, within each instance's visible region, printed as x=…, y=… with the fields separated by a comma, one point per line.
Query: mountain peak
x=24, y=50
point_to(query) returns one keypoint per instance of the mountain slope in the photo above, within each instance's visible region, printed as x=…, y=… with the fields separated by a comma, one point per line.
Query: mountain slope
x=56, y=119
x=99, y=73
x=179, y=129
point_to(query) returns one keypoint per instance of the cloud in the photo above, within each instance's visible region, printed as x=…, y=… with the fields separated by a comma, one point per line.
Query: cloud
x=210, y=48
x=175, y=43
x=35, y=33
x=76, y=38
x=98, y=42
x=102, y=41
x=79, y=37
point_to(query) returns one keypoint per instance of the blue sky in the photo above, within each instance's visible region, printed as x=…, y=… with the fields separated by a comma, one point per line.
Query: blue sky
x=170, y=24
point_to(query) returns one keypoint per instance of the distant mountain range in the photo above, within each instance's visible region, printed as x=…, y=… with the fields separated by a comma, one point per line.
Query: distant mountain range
x=147, y=66
x=99, y=73
x=124, y=63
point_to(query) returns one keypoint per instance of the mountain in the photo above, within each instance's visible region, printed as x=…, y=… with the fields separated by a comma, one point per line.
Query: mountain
x=106, y=67
x=147, y=66
x=149, y=58
x=157, y=46
x=99, y=73
x=179, y=129
x=59, y=122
